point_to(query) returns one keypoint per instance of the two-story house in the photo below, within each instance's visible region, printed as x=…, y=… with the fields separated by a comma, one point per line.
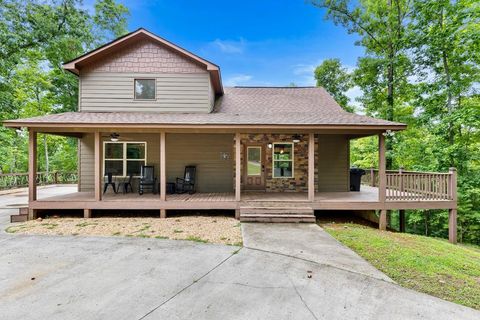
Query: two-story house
x=266, y=153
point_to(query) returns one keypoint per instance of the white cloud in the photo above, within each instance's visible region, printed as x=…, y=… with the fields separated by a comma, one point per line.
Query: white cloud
x=354, y=93
x=303, y=69
x=230, y=46
x=237, y=80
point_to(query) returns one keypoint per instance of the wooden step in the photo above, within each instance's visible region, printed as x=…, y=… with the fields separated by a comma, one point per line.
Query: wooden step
x=22, y=215
x=277, y=218
x=276, y=214
x=276, y=210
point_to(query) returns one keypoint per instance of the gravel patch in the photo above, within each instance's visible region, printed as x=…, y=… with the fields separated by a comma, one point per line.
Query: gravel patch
x=224, y=230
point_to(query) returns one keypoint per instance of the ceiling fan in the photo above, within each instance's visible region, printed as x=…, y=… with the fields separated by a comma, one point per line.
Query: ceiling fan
x=114, y=137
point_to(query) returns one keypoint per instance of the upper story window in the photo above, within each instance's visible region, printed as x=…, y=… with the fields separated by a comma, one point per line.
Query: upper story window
x=145, y=89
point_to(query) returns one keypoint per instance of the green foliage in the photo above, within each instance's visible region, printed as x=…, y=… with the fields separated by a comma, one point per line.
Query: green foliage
x=336, y=80
x=421, y=67
x=36, y=38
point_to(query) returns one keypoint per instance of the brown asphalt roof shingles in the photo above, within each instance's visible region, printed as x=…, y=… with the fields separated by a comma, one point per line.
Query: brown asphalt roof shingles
x=238, y=106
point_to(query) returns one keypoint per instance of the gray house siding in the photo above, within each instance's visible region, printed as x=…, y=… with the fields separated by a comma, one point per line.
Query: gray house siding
x=333, y=163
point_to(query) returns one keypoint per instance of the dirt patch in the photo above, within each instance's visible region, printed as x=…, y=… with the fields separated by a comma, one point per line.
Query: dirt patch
x=224, y=230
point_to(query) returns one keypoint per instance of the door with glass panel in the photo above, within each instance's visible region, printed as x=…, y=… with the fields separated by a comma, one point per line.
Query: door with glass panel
x=254, y=171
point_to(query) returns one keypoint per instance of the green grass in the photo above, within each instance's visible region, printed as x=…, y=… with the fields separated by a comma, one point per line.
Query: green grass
x=14, y=229
x=196, y=239
x=86, y=224
x=50, y=225
x=429, y=265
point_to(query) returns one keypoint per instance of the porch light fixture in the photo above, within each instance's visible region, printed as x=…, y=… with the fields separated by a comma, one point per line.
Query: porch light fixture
x=114, y=137
x=270, y=146
x=296, y=138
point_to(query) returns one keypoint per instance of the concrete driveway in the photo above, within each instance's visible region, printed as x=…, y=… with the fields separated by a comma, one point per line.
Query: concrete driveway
x=50, y=277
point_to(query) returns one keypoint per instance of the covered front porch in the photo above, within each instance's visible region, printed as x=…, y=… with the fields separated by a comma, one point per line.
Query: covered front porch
x=256, y=174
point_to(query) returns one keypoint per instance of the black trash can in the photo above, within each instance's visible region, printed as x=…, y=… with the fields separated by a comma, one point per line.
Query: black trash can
x=355, y=178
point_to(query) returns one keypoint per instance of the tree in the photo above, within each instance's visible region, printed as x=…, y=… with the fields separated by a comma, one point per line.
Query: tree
x=381, y=27
x=336, y=80
x=36, y=37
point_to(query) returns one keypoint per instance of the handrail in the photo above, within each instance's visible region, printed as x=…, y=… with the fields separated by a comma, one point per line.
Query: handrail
x=404, y=185
x=18, y=180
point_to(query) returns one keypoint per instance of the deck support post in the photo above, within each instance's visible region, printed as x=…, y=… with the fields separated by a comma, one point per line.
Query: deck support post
x=98, y=167
x=382, y=175
x=237, y=168
x=87, y=213
x=382, y=222
x=452, y=213
x=311, y=167
x=237, y=214
x=163, y=166
x=163, y=213
x=32, y=165
x=401, y=215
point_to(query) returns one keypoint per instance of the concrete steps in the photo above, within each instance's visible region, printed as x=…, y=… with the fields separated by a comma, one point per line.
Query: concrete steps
x=276, y=214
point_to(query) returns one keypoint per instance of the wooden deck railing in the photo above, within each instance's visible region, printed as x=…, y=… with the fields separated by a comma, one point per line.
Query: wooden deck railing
x=415, y=186
x=18, y=180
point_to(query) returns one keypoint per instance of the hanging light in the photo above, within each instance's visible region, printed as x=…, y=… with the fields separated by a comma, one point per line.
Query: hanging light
x=296, y=138
x=114, y=137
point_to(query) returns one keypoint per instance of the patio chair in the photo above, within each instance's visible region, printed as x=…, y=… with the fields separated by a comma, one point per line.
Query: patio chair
x=147, y=179
x=187, y=183
x=125, y=184
x=108, y=181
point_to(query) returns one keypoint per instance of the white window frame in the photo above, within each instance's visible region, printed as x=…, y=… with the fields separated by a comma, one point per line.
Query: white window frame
x=291, y=160
x=124, y=159
x=135, y=92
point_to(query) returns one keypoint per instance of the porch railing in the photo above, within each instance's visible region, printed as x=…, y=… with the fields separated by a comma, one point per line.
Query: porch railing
x=18, y=180
x=415, y=186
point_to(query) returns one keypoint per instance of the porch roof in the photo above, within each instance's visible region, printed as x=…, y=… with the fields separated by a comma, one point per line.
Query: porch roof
x=309, y=107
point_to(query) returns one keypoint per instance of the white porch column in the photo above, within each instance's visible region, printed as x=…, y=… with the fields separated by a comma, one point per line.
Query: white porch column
x=238, y=165
x=98, y=166
x=311, y=167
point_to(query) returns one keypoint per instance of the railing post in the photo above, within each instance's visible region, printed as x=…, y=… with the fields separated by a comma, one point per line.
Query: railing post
x=372, y=177
x=452, y=213
x=55, y=177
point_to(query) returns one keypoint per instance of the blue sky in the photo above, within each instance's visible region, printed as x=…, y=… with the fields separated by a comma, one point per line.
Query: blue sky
x=262, y=42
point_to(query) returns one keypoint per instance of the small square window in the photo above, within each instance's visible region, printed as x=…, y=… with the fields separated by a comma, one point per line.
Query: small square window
x=145, y=89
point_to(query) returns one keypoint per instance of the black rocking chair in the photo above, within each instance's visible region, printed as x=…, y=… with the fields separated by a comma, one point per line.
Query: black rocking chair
x=187, y=183
x=109, y=182
x=125, y=184
x=147, y=179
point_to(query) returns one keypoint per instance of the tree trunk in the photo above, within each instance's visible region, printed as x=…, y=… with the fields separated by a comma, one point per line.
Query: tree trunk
x=449, y=104
x=390, y=91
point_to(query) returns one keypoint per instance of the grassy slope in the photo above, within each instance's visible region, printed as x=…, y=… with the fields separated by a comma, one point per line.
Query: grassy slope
x=429, y=265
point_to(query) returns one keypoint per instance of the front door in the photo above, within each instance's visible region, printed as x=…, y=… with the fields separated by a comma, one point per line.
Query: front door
x=254, y=170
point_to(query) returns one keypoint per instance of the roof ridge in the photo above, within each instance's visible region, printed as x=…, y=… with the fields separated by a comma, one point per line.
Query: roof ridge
x=277, y=87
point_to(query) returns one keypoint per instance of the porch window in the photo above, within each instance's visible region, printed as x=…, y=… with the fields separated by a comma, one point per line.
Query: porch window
x=145, y=89
x=124, y=158
x=283, y=160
